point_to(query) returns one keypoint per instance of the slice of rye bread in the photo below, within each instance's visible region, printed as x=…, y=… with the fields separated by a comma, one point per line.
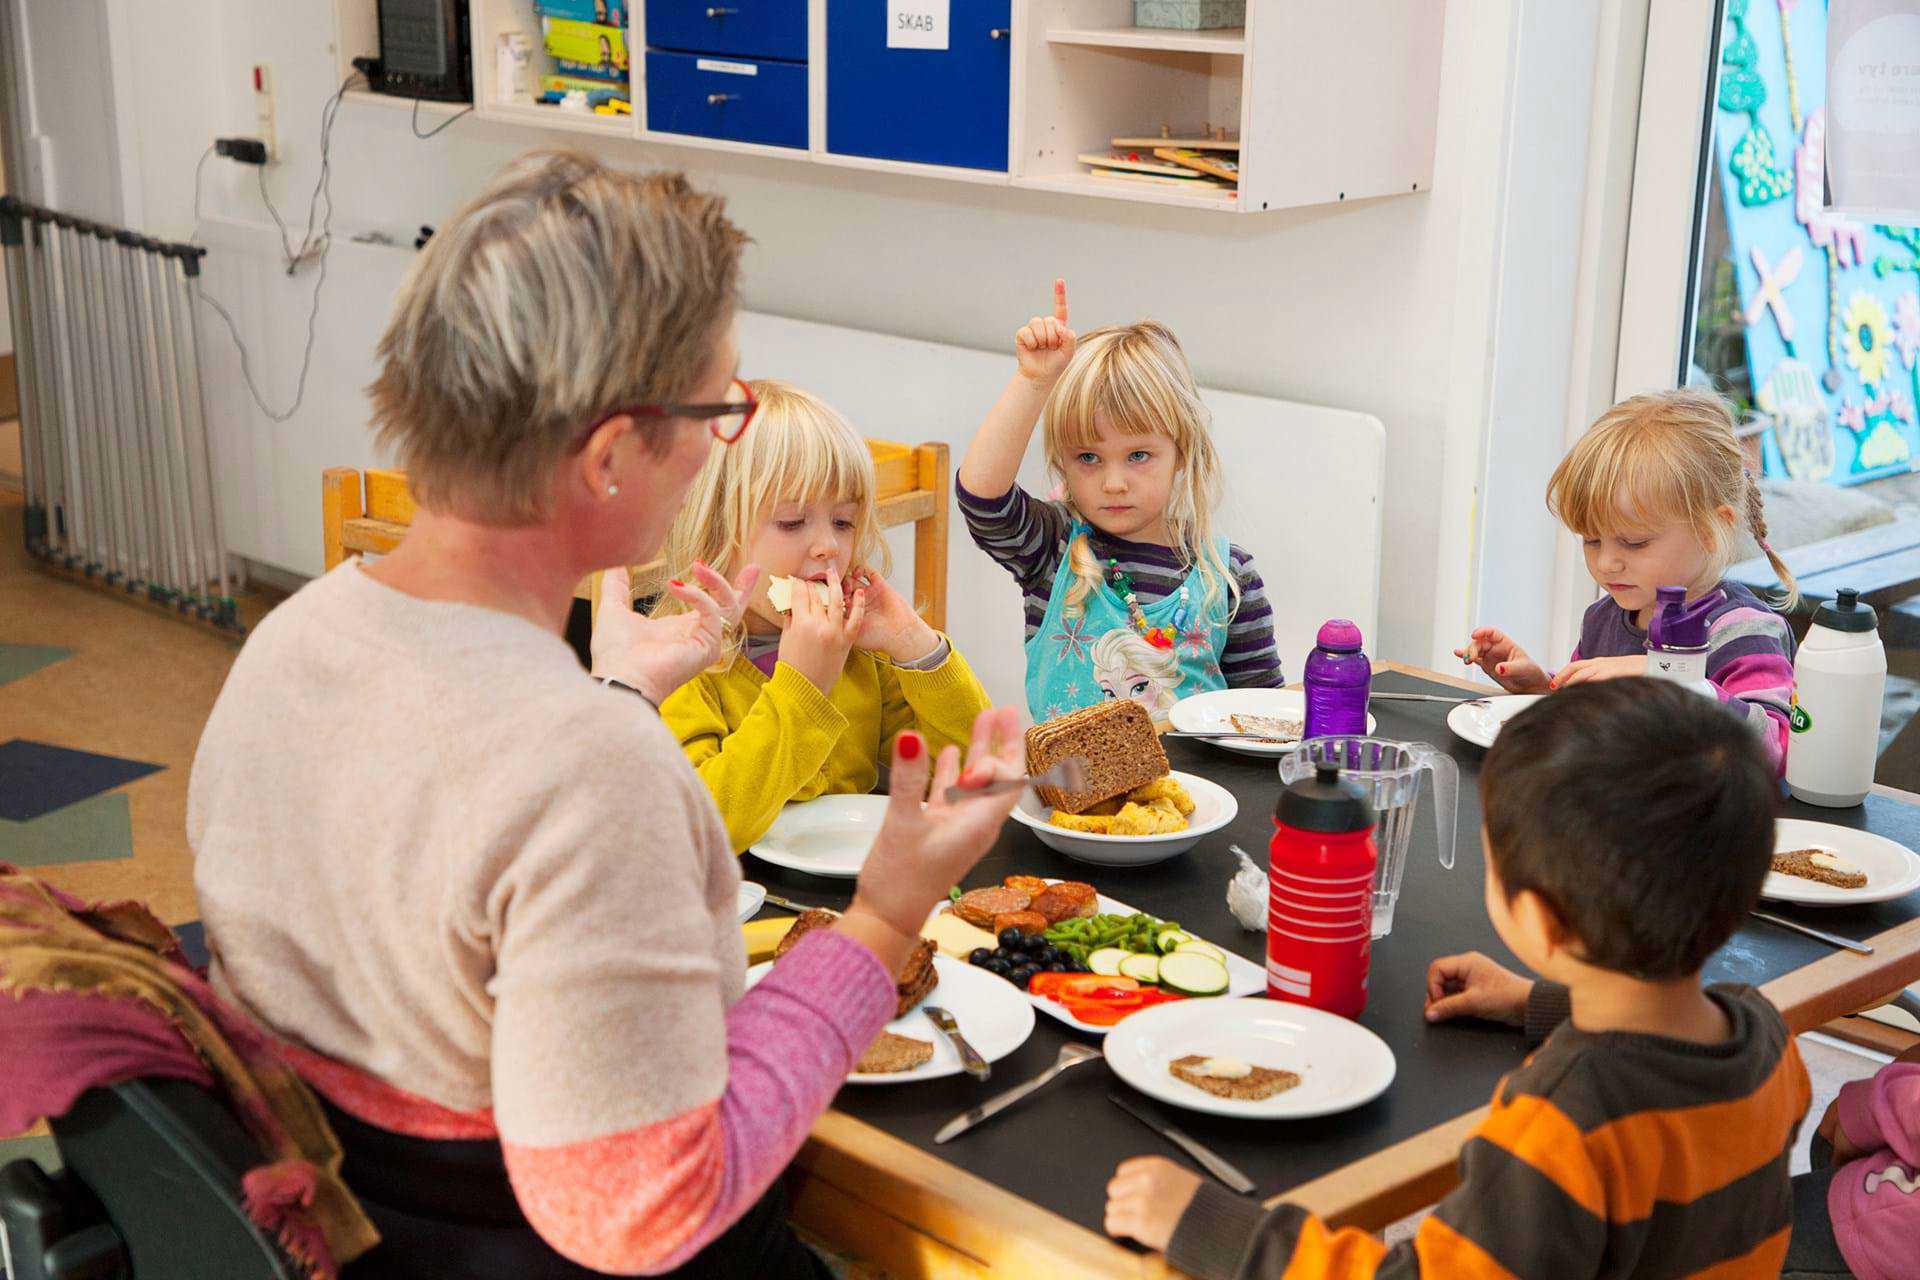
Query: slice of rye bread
x=1263, y=1083
x=917, y=977
x=1799, y=862
x=1117, y=740
x=890, y=1053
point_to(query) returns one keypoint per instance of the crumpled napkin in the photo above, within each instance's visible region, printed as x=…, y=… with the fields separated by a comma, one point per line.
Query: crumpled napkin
x=1247, y=893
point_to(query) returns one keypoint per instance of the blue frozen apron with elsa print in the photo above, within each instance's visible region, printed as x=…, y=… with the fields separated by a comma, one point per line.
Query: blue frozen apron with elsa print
x=1076, y=662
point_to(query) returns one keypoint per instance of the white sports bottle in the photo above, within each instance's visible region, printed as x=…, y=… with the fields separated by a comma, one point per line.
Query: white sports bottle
x=1839, y=677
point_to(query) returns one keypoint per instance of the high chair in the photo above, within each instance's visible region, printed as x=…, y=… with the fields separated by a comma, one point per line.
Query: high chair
x=368, y=513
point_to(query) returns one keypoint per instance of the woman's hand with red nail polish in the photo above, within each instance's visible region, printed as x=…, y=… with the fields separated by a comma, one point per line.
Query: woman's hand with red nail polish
x=923, y=849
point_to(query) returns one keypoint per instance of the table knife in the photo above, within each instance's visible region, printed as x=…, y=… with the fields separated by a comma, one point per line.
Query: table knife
x=1831, y=939
x=1212, y=1163
x=788, y=904
x=969, y=1056
x=1071, y=1055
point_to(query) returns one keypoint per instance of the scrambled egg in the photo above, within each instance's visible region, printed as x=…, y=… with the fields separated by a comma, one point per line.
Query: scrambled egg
x=1159, y=808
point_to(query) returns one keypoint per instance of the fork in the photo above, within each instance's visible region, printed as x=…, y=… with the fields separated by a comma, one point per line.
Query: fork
x=1069, y=774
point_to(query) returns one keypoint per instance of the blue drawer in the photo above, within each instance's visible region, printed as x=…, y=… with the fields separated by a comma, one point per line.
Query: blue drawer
x=736, y=99
x=743, y=28
x=935, y=106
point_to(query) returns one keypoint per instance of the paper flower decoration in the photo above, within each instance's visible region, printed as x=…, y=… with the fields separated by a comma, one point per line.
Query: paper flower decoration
x=1890, y=403
x=1906, y=328
x=1867, y=338
x=1844, y=236
x=1853, y=416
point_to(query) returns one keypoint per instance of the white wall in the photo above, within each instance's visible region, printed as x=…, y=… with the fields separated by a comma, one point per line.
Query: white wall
x=1384, y=306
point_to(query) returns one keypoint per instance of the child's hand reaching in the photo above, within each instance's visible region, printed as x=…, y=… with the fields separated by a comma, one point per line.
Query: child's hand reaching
x=1496, y=653
x=1472, y=986
x=818, y=637
x=891, y=626
x=1044, y=344
x=1146, y=1198
x=1589, y=669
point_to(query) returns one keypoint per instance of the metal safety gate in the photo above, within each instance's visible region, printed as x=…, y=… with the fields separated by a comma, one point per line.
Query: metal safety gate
x=113, y=423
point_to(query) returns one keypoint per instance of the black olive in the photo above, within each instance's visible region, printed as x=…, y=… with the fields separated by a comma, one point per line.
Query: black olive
x=1023, y=975
x=1045, y=954
x=998, y=966
x=980, y=956
x=1012, y=939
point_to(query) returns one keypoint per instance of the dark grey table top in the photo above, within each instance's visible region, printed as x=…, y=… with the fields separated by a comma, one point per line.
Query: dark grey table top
x=1059, y=1148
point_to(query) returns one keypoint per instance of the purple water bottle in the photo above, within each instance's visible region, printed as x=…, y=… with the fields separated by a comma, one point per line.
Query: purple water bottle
x=1338, y=679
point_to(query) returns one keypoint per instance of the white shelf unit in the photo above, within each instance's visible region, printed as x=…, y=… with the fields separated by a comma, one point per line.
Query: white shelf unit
x=1331, y=101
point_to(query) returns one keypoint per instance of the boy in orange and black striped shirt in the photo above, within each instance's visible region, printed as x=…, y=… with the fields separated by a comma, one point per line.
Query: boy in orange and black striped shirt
x=1629, y=825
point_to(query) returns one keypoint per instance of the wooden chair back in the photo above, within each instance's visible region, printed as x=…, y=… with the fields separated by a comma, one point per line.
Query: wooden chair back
x=368, y=513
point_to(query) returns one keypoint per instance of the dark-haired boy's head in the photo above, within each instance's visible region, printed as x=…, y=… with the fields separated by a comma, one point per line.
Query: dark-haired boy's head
x=1640, y=813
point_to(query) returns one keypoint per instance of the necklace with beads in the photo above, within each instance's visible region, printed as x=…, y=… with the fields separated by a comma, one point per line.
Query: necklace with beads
x=1158, y=637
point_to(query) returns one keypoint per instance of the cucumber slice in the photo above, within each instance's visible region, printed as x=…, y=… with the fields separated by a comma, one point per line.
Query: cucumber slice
x=1142, y=969
x=1169, y=940
x=1106, y=961
x=1195, y=947
x=1193, y=974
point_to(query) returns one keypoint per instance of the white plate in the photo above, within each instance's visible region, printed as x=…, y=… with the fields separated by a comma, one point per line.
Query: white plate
x=1244, y=977
x=1213, y=712
x=830, y=836
x=993, y=1015
x=1213, y=808
x=1342, y=1065
x=1893, y=870
x=1479, y=721
x=752, y=898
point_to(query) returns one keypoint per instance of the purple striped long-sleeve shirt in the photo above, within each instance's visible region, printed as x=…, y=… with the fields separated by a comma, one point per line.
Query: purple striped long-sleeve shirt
x=1749, y=658
x=1028, y=538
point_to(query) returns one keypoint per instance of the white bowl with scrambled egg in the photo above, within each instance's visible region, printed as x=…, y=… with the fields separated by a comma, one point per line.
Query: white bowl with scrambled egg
x=1213, y=808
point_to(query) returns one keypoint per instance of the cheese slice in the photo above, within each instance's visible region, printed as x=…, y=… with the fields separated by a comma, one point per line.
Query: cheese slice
x=780, y=592
x=762, y=936
x=955, y=938
x=1225, y=1068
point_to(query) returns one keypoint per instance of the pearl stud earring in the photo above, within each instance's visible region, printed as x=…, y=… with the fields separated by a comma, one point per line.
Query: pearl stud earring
x=613, y=490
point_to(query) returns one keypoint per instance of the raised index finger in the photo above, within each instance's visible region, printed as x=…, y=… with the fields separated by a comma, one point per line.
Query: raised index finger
x=1060, y=300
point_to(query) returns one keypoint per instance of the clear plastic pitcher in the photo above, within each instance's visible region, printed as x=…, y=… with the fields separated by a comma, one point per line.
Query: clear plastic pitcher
x=1389, y=772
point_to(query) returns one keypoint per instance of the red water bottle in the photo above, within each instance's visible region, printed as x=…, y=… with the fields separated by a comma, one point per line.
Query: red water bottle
x=1320, y=894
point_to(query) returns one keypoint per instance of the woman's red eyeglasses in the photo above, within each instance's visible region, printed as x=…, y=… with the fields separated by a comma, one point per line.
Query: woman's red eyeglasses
x=716, y=414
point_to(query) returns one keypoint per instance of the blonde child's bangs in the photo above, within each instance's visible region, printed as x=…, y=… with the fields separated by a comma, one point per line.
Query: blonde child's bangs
x=1619, y=482
x=1131, y=380
x=799, y=449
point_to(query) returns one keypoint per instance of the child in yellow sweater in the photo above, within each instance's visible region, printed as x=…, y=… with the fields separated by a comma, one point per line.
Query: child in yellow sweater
x=806, y=702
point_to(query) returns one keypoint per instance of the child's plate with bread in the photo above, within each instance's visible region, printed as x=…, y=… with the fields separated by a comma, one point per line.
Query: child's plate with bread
x=1818, y=864
x=828, y=836
x=1253, y=1059
x=991, y=1013
x=1280, y=715
x=1479, y=721
x=1213, y=807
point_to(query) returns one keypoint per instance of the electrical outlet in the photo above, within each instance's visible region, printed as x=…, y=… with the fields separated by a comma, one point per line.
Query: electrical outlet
x=263, y=110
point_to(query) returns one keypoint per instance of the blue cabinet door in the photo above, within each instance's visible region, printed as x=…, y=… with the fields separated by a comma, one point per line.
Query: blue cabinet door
x=736, y=99
x=936, y=106
x=743, y=28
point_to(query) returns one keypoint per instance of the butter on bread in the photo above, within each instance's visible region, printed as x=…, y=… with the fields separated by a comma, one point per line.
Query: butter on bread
x=780, y=592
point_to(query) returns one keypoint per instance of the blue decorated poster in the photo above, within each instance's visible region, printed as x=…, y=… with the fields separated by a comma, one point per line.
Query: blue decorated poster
x=1831, y=305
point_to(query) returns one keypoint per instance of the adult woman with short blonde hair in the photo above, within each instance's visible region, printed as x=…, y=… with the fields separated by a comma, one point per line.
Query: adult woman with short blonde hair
x=514, y=977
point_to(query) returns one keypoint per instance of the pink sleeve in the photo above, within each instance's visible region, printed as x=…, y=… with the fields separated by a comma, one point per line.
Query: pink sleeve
x=1760, y=686
x=1885, y=1112
x=645, y=1200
